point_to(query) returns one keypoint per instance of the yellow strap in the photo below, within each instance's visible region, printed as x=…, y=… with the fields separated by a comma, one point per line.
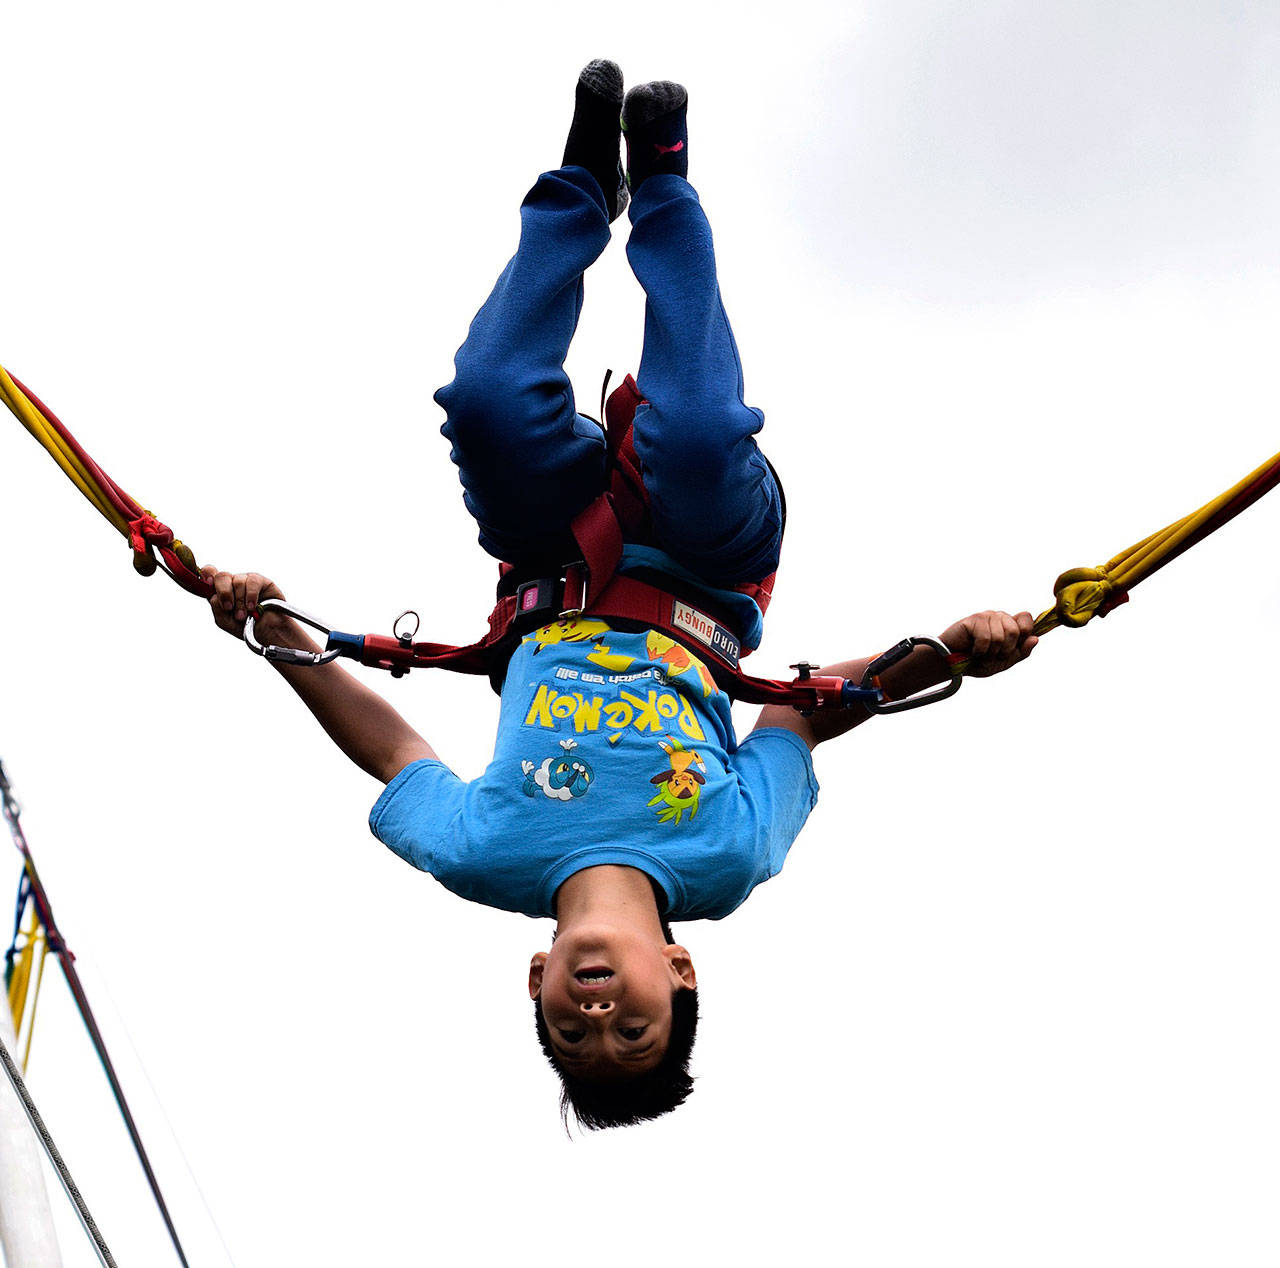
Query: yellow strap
x=1080, y=592
x=59, y=450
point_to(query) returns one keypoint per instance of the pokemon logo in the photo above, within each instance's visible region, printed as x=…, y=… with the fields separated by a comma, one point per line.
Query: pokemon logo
x=654, y=712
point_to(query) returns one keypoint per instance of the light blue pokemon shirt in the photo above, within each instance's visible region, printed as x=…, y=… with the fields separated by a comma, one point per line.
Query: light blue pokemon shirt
x=612, y=747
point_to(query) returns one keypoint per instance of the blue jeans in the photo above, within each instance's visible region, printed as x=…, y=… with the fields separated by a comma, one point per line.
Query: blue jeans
x=529, y=462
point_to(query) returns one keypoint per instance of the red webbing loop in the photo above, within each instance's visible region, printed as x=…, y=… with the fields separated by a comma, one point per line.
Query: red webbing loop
x=146, y=531
x=599, y=537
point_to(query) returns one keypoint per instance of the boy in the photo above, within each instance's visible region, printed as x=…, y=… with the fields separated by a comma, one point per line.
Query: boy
x=618, y=797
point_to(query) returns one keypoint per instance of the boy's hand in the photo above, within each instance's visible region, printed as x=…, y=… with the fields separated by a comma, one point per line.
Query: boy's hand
x=993, y=641
x=235, y=595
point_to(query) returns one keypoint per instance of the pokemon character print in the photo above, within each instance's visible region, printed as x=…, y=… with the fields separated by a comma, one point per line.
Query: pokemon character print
x=561, y=778
x=613, y=747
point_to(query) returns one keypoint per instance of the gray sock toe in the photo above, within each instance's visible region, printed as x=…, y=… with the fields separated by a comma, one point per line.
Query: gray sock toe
x=647, y=102
x=604, y=78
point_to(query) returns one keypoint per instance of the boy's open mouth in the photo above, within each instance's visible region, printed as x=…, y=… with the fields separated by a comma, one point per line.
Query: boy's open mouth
x=593, y=975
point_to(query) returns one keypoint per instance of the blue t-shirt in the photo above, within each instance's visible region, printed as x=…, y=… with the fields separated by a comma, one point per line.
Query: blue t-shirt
x=612, y=747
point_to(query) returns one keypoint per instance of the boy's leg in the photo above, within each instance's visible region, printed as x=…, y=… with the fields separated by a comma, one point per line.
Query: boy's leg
x=527, y=460
x=716, y=506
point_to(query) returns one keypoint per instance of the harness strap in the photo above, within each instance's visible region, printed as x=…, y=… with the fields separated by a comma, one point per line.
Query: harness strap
x=624, y=599
x=599, y=537
x=631, y=600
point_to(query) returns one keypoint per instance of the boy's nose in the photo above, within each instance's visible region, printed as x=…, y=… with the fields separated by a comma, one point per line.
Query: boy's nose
x=596, y=1007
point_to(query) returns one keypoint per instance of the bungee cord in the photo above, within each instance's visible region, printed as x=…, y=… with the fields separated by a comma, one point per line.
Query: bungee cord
x=1080, y=594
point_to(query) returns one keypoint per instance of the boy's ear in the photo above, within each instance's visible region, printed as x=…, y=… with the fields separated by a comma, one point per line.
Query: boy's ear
x=681, y=965
x=536, y=965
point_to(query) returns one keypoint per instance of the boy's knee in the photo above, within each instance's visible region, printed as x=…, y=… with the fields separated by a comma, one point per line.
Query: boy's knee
x=473, y=390
x=696, y=433
x=480, y=405
x=749, y=552
x=727, y=535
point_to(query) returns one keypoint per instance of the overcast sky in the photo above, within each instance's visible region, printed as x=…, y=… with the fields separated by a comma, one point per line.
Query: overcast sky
x=1005, y=281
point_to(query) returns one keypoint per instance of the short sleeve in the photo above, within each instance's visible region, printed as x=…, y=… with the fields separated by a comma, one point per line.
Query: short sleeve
x=775, y=771
x=416, y=814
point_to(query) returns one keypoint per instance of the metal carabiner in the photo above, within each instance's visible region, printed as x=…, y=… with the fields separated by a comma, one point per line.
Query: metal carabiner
x=289, y=655
x=900, y=651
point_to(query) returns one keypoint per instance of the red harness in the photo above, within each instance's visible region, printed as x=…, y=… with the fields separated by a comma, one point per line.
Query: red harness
x=592, y=586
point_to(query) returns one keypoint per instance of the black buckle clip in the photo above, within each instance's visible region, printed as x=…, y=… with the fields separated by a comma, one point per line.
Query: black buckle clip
x=537, y=603
x=548, y=599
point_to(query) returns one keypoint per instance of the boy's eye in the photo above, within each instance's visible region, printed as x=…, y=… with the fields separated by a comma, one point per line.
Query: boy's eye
x=572, y=1036
x=632, y=1032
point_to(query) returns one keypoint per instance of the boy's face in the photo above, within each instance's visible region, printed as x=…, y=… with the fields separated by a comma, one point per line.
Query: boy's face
x=606, y=997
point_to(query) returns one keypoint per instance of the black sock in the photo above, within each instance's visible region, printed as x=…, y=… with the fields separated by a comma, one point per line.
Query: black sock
x=593, y=135
x=653, y=121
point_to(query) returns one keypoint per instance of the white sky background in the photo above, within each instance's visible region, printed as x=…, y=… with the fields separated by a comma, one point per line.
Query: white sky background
x=1005, y=281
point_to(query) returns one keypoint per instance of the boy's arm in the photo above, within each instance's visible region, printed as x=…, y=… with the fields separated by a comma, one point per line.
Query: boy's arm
x=358, y=720
x=993, y=641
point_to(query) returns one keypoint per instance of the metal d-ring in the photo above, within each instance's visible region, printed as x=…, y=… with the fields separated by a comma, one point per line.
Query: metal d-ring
x=406, y=638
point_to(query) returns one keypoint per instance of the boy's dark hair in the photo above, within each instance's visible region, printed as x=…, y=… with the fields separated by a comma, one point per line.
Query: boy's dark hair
x=621, y=1102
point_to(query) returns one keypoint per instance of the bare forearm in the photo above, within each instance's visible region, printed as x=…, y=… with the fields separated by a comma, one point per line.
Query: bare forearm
x=358, y=720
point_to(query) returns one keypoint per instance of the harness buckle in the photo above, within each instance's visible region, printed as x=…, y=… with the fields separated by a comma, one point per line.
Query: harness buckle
x=547, y=599
x=537, y=603
x=577, y=577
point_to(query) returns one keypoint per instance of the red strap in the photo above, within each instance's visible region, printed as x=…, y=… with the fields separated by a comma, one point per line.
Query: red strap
x=626, y=481
x=481, y=657
x=599, y=537
x=625, y=598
